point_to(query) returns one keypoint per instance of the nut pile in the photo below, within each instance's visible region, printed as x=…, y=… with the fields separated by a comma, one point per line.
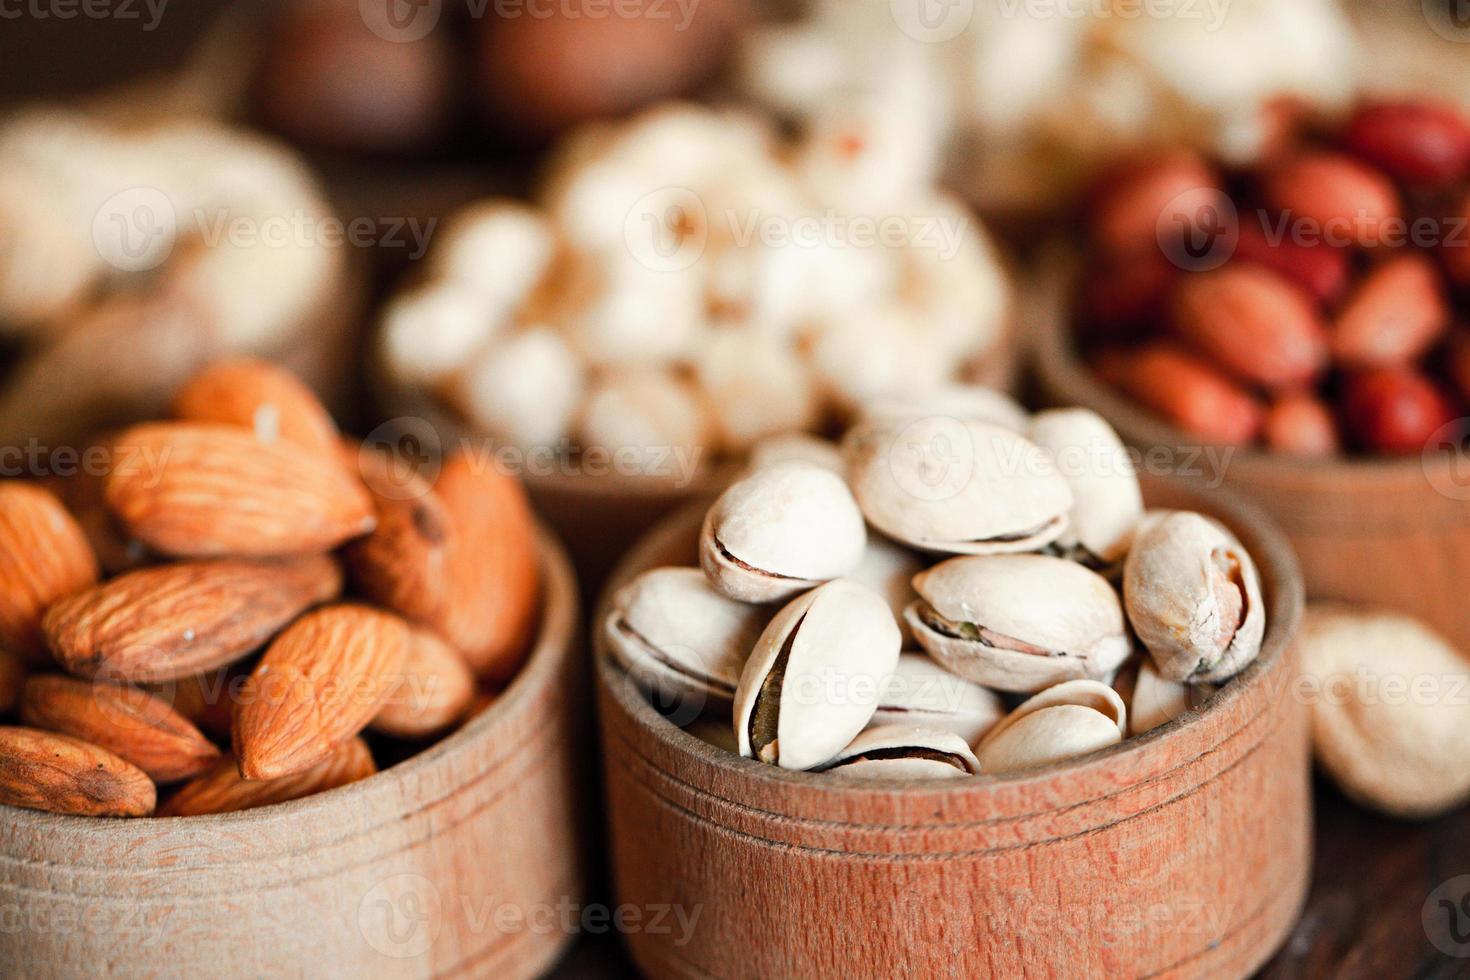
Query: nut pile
x=1054, y=593
x=276, y=593
x=1314, y=305
x=689, y=282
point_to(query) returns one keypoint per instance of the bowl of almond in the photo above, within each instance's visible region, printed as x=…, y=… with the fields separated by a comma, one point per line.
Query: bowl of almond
x=1296, y=331
x=267, y=696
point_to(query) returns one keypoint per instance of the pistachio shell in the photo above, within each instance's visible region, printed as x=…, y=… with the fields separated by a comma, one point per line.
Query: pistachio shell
x=889, y=570
x=796, y=446
x=1107, y=502
x=1062, y=722
x=812, y=682
x=1153, y=701
x=921, y=693
x=648, y=410
x=954, y=485
x=1193, y=596
x=523, y=389
x=499, y=247
x=780, y=531
x=1018, y=622
x=959, y=401
x=905, y=752
x=1390, y=703
x=680, y=640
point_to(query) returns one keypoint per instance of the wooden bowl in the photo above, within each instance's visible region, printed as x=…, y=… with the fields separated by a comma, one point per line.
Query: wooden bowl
x=404, y=874
x=1185, y=851
x=1386, y=531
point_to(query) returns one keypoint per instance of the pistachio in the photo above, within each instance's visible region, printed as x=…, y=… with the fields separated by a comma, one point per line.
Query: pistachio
x=647, y=410
x=1153, y=701
x=1018, y=622
x=1062, y=722
x=922, y=693
x=901, y=752
x=1193, y=596
x=796, y=446
x=889, y=570
x=680, y=640
x=1389, y=721
x=523, y=389
x=956, y=485
x=1107, y=501
x=959, y=401
x=780, y=531
x=813, y=679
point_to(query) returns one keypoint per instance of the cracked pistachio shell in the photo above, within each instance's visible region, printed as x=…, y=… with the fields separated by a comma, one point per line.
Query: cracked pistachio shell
x=1388, y=701
x=1154, y=701
x=1106, y=500
x=959, y=486
x=813, y=680
x=1063, y=722
x=1193, y=596
x=923, y=694
x=959, y=401
x=905, y=752
x=780, y=531
x=680, y=640
x=1018, y=622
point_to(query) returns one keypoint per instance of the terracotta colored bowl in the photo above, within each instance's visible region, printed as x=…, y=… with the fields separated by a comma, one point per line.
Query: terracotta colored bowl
x=1391, y=532
x=403, y=874
x=1183, y=852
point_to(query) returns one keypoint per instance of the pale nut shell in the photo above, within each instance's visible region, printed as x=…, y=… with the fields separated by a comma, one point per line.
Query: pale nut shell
x=959, y=486
x=1390, y=703
x=1193, y=596
x=1154, y=701
x=756, y=387
x=500, y=248
x=780, y=531
x=923, y=694
x=905, y=752
x=889, y=570
x=523, y=389
x=650, y=411
x=961, y=401
x=1062, y=722
x=429, y=333
x=1107, y=501
x=1019, y=622
x=812, y=682
x=681, y=641
x=800, y=446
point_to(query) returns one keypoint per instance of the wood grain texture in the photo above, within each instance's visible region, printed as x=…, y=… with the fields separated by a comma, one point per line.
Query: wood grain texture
x=397, y=876
x=1184, y=852
x=1391, y=532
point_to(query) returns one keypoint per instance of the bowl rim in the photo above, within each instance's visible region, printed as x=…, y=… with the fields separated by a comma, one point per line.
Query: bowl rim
x=1064, y=377
x=1285, y=603
x=556, y=641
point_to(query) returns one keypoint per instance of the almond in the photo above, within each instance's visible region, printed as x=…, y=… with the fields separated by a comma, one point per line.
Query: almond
x=208, y=700
x=494, y=570
x=162, y=623
x=59, y=774
x=1396, y=314
x=192, y=489
x=83, y=493
x=1253, y=323
x=1185, y=390
x=1301, y=425
x=436, y=690
x=223, y=790
x=12, y=680
x=43, y=556
x=319, y=684
x=268, y=400
x=402, y=564
x=130, y=723
x=1332, y=198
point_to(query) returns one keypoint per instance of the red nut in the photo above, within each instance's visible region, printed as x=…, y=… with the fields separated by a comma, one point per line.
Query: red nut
x=1331, y=198
x=1321, y=269
x=1458, y=362
x=1396, y=314
x=1184, y=389
x=1455, y=248
x=1253, y=322
x=1393, y=410
x=1125, y=299
x=1140, y=199
x=1301, y=425
x=1416, y=142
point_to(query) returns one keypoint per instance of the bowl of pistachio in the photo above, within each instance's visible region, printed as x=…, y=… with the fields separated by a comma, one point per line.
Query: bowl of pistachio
x=961, y=695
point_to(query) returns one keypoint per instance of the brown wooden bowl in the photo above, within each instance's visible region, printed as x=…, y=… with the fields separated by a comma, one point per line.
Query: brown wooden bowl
x=1386, y=531
x=404, y=874
x=1185, y=851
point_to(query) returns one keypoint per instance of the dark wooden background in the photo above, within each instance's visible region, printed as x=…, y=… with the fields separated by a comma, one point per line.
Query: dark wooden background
x=1372, y=874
